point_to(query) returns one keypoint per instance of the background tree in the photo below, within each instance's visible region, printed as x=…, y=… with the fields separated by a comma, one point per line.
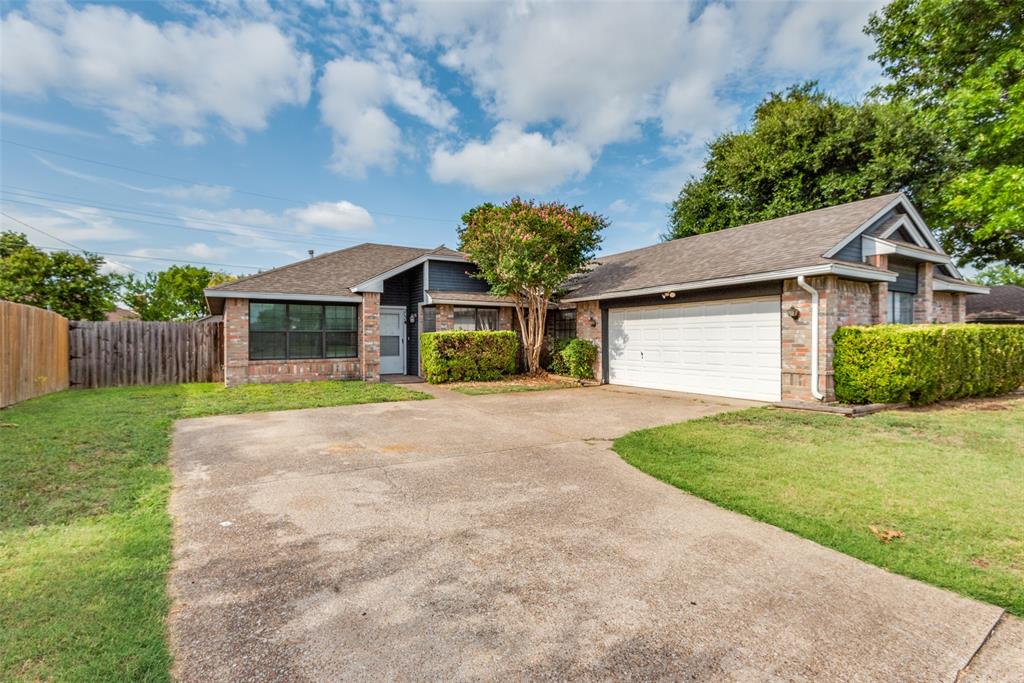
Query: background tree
x=66, y=283
x=172, y=294
x=527, y=250
x=960, y=64
x=1001, y=274
x=806, y=150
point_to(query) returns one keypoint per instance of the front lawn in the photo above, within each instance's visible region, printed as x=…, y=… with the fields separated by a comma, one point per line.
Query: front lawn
x=949, y=479
x=84, y=530
x=515, y=384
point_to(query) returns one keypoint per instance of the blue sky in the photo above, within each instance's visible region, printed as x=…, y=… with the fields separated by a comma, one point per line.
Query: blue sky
x=245, y=133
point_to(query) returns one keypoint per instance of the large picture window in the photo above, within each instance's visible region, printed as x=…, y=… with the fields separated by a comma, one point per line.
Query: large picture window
x=901, y=307
x=469, y=318
x=280, y=331
x=562, y=323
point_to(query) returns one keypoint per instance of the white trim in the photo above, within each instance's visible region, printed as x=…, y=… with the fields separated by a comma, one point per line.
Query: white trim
x=426, y=281
x=278, y=296
x=903, y=222
x=468, y=302
x=965, y=287
x=376, y=283
x=923, y=229
x=815, y=392
x=402, y=350
x=871, y=245
x=851, y=271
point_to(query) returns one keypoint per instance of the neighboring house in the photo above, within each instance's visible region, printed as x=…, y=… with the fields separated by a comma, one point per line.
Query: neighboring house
x=726, y=313
x=119, y=314
x=1003, y=305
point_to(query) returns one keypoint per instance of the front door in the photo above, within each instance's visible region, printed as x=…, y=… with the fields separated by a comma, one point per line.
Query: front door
x=392, y=341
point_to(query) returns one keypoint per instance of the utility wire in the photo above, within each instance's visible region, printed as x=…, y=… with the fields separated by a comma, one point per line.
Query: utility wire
x=133, y=256
x=178, y=179
x=63, y=241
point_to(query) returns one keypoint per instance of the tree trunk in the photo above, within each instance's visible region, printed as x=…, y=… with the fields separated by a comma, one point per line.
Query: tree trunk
x=532, y=325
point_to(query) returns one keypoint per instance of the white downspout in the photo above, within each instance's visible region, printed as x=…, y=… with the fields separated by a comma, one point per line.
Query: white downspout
x=814, y=336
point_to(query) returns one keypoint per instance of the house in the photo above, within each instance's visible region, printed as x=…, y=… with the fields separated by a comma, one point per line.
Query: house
x=747, y=312
x=1003, y=305
x=120, y=314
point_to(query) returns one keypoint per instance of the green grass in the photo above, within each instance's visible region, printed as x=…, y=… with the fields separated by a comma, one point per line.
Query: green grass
x=951, y=479
x=513, y=386
x=84, y=530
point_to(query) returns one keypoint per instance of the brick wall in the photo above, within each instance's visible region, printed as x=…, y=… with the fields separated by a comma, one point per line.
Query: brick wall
x=586, y=311
x=369, y=336
x=925, y=295
x=445, y=317
x=505, y=316
x=238, y=369
x=948, y=307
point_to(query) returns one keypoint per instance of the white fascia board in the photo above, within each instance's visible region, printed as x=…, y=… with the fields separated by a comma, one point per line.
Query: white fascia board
x=469, y=302
x=850, y=272
x=872, y=245
x=278, y=296
x=965, y=287
x=376, y=283
x=853, y=235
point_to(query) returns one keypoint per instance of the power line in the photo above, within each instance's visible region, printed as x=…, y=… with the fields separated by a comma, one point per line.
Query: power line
x=121, y=208
x=178, y=179
x=63, y=241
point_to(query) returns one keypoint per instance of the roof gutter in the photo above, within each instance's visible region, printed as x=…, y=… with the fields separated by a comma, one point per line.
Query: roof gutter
x=851, y=271
x=278, y=296
x=963, y=287
x=814, y=336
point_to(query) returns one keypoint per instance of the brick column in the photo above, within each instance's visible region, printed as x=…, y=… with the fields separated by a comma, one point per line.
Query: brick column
x=588, y=326
x=879, y=291
x=445, y=317
x=959, y=307
x=505, y=315
x=369, y=327
x=923, y=298
x=236, y=342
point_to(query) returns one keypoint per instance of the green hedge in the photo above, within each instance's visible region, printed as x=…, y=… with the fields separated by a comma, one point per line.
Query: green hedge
x=578, y=357
x=927, y=363
x=457, y=356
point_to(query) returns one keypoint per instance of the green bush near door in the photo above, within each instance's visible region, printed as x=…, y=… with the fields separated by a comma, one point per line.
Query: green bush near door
x=926, y=363
x=458, y=356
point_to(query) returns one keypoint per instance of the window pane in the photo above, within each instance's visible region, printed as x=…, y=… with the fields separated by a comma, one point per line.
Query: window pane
x=266, y=345
x=341, y=318
x=487, y=319
x=305, y=316
x=305, y=345
x=390, y=345
x=905, y=306
x=268, y=316
x=465, y=318
x=429, y=319
x=341, y=344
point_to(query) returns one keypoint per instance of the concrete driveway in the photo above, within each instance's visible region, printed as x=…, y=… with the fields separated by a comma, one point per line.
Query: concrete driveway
x=497, y=537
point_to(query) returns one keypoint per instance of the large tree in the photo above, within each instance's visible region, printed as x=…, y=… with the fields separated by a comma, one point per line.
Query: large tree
x=72, y=285
x=806, y=150
x=526, y=250
x=960, y=65
x=172, y=294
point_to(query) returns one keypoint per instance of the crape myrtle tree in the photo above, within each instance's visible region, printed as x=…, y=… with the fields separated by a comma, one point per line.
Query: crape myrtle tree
x=526, y=250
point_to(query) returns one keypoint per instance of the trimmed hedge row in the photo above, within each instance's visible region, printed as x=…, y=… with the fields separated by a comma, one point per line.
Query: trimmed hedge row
x=926, y=363
x=460, y=356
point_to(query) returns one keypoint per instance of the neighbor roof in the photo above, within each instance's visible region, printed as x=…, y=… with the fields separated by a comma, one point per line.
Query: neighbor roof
x=783, y=243
x=334, y=273
x=1005, y=303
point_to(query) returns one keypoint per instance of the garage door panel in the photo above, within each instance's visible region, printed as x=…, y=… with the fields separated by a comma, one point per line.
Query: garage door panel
x=726, y=348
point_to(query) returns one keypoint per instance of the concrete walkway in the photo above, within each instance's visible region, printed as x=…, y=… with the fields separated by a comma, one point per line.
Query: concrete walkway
x=497, y=537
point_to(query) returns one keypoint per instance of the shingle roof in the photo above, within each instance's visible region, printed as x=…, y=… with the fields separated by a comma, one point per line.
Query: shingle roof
x=1003, y=303
x=333, y=273
x=789, y=242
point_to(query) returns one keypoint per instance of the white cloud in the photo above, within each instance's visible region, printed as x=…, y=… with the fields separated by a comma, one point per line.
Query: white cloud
x=43, y=126
x=195, y=192
x=145, y=75
x=353, y=98
x=511, y=161
x=339, y=216
x=78, y=224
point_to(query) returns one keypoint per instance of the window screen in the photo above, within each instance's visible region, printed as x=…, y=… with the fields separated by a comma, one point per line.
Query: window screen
x=279, y=331
x=472, y=318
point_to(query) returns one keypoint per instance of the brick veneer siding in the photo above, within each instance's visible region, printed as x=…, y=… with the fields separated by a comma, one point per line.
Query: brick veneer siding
x=505, y=316
x=445, y=317
x=238, y=369
x=879, y=292
x=585, y=312
x=949, y=307
x=369, y=336
x=925, y=296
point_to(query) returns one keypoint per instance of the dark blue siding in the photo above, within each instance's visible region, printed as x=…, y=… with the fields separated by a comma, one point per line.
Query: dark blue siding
x=396, y=291
x=412, y=346
x=452, y=277
x=907, y=276
x=851, y=252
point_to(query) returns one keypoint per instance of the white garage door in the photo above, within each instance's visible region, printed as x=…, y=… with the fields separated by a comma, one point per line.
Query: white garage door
x=723, y=348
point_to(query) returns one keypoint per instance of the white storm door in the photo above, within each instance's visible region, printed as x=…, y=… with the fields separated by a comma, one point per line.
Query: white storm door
x=392, y=341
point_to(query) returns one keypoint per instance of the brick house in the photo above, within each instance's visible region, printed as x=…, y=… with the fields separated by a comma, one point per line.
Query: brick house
x=747, y=312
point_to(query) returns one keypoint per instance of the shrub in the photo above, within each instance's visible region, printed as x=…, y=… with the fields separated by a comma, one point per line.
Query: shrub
x=926, y=363
x=578, y=358
x=555, y=362
x=458, y=356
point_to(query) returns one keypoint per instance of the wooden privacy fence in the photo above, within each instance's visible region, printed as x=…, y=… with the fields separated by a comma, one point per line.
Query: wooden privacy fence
x=33, y=352
x=108, y=354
